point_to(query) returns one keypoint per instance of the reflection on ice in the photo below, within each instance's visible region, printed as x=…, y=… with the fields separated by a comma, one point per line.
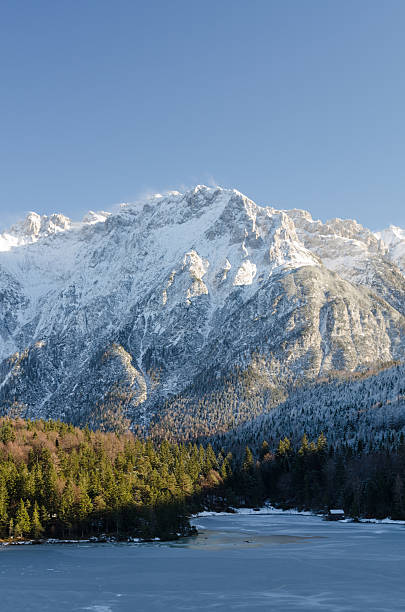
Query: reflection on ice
x=217, y=540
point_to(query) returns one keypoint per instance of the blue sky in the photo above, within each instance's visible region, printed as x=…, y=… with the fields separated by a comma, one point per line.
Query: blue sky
x=297, y=103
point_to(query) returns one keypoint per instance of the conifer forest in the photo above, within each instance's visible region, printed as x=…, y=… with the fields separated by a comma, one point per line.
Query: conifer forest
x=60, y=481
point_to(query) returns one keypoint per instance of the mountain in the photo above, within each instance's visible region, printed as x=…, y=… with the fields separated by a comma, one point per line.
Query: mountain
x=171, y=308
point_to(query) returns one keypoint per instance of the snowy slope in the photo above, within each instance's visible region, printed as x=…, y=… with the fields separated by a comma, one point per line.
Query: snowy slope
x=357, y=254
x=124, y=309
x=394, y=239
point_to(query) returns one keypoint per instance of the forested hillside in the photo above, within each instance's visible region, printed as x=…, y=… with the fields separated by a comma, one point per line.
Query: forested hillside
x=366, y=409
x=244, y=409
x=59, y=481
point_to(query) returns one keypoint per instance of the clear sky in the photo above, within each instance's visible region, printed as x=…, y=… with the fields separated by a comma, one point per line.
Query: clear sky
x=297, y=103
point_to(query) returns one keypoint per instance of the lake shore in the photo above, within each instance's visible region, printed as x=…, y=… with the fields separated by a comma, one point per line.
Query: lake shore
x=267, y=509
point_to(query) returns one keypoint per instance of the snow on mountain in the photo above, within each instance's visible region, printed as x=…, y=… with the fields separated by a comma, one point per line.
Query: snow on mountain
x=356, y=254
x=32, y=229
x=127, y=308
x=343, y=245
x=394, y=239
x=391, y=236
x=36, y=227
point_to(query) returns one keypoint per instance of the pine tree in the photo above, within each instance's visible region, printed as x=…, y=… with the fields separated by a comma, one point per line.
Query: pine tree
x=248, y=462
x=7, y=433
x=66, y=506
x=322, y=442
x=44, y=515
x=284, y=446
x=3, y=509
x=23, y=523
x=84, y=505
x=304, y=445
x=265, y=449
x=36, y=526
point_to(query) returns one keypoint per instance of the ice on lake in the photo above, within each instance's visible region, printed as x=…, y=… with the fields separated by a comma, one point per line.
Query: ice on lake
x=238, y=562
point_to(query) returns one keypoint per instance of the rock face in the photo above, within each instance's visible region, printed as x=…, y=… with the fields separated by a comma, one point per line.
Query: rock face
x=127, y=309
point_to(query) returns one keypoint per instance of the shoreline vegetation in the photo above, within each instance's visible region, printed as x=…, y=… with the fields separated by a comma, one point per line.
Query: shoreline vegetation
x=59, y=483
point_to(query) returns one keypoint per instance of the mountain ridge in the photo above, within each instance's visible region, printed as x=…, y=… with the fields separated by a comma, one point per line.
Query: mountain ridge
x=129, y=308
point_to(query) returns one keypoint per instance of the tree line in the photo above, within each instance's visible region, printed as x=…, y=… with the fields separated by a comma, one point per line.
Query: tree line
x=60, y=481
x=316, y=476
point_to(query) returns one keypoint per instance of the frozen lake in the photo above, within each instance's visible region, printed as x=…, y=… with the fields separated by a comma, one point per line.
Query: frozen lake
x=238, y=562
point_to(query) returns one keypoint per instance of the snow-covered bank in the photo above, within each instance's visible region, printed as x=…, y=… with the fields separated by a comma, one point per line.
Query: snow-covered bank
x=269, y=509
x=385, y=521
x=92, y=540
x=266, y=509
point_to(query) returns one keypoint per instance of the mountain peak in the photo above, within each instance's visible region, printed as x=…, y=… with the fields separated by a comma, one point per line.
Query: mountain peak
x=95, y=217
x=32, y=228
x=187, y=284
x=34, y=224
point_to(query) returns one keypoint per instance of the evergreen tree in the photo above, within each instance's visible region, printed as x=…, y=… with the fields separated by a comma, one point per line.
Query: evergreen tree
x=248, y=462
x=36, y=527
x=4, y=519
x=265, y=450
x=23, y=524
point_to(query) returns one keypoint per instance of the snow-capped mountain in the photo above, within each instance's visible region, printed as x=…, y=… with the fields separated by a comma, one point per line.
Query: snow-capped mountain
x=394, y=240
x=126, y=309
